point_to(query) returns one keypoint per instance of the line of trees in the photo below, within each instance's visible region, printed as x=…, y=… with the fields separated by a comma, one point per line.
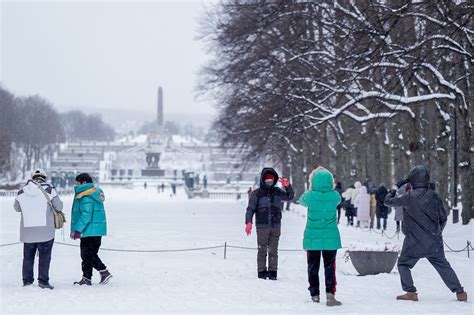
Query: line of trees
x=80, y=126
x=30, y=127
x=368, y=88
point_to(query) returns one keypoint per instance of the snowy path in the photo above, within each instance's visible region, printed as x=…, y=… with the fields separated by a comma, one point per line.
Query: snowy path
x=202, y=281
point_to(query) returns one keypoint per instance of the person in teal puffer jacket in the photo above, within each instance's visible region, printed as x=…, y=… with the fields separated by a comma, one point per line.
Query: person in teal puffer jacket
x=321, y=236
x=88, y=222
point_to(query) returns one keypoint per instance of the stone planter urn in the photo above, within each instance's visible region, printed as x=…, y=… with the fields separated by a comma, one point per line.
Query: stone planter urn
x=373, y=262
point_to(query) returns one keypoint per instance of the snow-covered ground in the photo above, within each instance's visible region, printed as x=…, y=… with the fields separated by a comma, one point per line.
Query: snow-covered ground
x=202, y=281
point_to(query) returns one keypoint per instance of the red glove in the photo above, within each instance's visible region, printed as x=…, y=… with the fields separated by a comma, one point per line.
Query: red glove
x=77, y=235
x=285, y=182
x=248, y=228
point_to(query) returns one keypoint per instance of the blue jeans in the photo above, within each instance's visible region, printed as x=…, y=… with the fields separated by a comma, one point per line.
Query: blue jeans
x=29, y=251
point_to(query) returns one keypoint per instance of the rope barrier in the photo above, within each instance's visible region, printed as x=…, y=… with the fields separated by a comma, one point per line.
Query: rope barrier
x=241, y=247
x=10, y=244
x=390, y=238
x=163, y=250
x=375, y=231
x=148, y=250
x=366, y=230
x=454, y=250
x=218, y=246
x=132, y=250
x=253, y=248
x=397, y=233
x=225, y=246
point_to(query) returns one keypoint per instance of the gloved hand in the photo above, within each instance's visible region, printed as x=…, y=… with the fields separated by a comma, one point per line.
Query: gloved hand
x=248, y=228
x=77, y=235
x=401, y=182
x=285, y=182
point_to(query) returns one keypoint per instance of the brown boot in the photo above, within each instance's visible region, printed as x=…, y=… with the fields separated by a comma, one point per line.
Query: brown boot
x=462, y=296
x=409, y=296
x=331, y=300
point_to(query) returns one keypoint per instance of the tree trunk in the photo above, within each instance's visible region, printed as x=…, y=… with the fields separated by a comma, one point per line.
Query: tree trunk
x=465, y=167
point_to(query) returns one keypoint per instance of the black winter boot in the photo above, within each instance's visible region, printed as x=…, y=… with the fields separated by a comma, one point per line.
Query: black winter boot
x=84, y=281
x=104, y=276
x=272, y=274
x=45, y=286
x=315, y=298
x=263, y=274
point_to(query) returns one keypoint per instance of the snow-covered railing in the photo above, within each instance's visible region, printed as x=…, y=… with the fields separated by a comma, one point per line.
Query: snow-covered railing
x=7, y=193
x=13, y=193
x=226, y=195
x=216, y=194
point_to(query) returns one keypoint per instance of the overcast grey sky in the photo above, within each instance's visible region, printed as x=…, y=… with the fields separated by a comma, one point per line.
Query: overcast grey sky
x=104, y=54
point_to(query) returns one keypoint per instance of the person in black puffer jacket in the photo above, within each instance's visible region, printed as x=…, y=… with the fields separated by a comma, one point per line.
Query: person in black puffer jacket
x=266, y=203
x=339, y=189
x=381, y=211
x=424, y=219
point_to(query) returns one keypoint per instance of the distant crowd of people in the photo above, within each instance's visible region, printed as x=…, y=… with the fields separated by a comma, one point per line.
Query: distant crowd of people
x=366, y=204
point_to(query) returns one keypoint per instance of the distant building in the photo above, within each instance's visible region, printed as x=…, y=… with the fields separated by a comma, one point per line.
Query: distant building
x=155, y=155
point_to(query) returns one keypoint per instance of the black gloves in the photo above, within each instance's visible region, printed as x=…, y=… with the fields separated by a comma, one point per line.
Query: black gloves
x=401, y=182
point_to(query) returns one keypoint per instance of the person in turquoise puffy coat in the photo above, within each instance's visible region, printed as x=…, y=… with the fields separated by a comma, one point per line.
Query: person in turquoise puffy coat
x=321, y=235
x=89, y=224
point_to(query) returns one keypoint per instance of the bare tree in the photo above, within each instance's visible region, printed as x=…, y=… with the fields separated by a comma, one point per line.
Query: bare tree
x=39, y=127
x=7, y=128
x=346, y=83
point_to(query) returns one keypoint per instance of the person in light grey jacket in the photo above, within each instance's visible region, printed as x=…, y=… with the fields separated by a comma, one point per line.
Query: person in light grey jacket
x=37, y=226
x=401, y=188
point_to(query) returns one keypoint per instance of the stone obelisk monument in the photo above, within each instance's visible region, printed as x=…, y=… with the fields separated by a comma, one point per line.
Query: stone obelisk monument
x=159, y=117
x=155, y=140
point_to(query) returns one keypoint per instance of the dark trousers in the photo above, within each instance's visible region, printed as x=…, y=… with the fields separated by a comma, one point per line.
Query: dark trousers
x=267, y=241
x=29, y=251
x=89, y=249
x=384, y=223
x=350, y=219
x=338, y=213
x=439, y=262
x=398, y=225
x=350, y=215
x=314, y=260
